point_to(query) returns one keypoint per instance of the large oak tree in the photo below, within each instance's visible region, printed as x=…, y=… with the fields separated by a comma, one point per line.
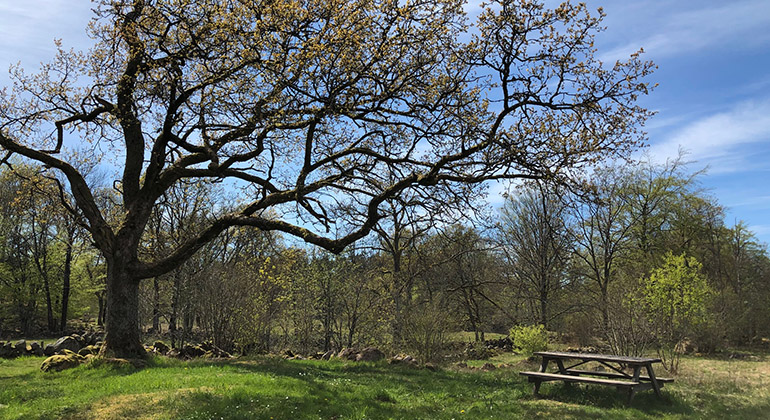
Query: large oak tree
x=312, y=109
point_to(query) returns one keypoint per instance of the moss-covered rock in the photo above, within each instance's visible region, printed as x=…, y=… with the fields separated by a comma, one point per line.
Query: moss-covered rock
x=88, y=350
x=60, y=362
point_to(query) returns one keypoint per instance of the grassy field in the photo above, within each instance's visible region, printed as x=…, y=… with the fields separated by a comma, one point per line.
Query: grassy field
x=268, y=388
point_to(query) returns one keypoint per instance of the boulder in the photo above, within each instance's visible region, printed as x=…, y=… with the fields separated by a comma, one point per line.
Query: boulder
x=14, y=351
x=21, y=346
x=348, y=353
x=488, y=366
x=370, y=354
x=36, y=348
x=59, y=362
x=49, y=350
x=81, y=341
x=160, y=347
x=89, y=350
x=66, y=343
x=192, y=351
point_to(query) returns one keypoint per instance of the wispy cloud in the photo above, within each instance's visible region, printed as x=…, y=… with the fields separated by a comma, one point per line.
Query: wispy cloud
x=725, y=141
x=28, y=28
x=695, y=30
x=760, y=230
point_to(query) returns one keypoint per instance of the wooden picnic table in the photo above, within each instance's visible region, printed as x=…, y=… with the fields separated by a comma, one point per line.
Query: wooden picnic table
x=615, y=376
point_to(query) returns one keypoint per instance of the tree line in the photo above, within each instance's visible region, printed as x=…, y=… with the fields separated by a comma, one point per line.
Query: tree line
x=598, y=266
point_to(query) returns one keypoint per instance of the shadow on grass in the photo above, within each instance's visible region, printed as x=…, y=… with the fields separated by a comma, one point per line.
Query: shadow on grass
x=605, y=397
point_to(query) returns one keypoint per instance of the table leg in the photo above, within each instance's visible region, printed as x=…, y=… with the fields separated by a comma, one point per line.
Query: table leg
x=563, y=371
x=544, y=364
x=560, y=364
x=543, y=368
x=653, y=379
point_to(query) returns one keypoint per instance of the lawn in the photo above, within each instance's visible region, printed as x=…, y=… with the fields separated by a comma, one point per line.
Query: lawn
x=270, y=388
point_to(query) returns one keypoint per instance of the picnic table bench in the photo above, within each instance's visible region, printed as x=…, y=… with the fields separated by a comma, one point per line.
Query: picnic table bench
x=629, y=382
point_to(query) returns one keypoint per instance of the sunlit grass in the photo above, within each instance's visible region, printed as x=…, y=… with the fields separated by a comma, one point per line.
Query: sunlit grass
x=264, y=388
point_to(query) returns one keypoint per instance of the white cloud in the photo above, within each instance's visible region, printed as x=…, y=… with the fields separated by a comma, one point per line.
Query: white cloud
x=725, y=141
x=760, y=230
x=730, y=23
x=754, y=202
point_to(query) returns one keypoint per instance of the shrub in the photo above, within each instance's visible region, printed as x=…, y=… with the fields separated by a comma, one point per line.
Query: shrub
x=426, y=331
x=530, y=338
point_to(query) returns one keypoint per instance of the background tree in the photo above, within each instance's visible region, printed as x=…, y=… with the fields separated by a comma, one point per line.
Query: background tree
x=676, y=297
x=534, y=238
x=311, y=109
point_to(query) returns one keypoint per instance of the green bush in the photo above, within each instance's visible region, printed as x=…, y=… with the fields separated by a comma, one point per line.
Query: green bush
x=530, y=338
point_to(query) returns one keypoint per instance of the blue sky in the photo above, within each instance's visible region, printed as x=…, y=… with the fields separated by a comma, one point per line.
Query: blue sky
x=713, y=98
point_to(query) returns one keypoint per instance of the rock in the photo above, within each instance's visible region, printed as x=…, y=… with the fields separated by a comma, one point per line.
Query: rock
x=431, y=367
x=21, y=346
x=49, y=350
x=488, y=367
x=403, y=359
x=370, y=354
x=462, y=365
x=328, y=355
x=192, y=351
x=739, y=356
x=348, y=353
x=13, y=351
x=287, y=354
x=160, y=347
x=60, y=362
x=36, y=349
x=174, y=353
x=66, y=343
x=88, y=350
x=79, y=338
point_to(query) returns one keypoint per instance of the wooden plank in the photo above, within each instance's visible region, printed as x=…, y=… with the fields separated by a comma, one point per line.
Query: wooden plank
x=597, y=357
x=573, y=378
x=615, y=375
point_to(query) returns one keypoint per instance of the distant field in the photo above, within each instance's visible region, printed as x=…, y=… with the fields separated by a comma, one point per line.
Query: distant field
x=269, y=388
x=468, y=336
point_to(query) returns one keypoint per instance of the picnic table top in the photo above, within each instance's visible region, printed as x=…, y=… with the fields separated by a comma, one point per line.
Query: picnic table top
x=596, y=357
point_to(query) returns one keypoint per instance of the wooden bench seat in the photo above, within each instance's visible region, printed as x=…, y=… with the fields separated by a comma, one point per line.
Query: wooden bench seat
x=543, y=376
x=616, y=375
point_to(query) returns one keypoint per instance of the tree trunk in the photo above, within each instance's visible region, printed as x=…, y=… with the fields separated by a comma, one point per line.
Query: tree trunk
x=155, y=306
x=102, y=308
x=173, y=320
x=122, y=337
x=48, y=304
x=65, y=293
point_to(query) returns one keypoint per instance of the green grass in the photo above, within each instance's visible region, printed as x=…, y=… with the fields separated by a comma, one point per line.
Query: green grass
x=267, y=388
x=469, y=336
